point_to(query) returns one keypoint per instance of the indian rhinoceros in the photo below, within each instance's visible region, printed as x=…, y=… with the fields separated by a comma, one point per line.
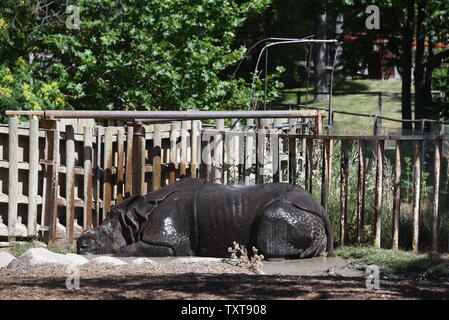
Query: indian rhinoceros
x=195, y=217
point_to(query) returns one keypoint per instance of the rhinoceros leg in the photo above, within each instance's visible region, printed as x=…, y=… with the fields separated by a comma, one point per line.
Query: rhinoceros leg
x=285, y=231
x=142, y=249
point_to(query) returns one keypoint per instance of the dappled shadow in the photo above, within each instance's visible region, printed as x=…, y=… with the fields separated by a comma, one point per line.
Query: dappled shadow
x=209, y=286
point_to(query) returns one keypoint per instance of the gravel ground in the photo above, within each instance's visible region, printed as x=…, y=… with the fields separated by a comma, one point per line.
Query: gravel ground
x=205, y=280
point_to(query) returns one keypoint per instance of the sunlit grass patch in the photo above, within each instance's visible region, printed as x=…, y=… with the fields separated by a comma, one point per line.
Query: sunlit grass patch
x=397, y=260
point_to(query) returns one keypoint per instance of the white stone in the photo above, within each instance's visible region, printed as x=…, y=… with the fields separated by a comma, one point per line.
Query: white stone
x=143, y=261
x=107, y=261
x=195, y=260
x=76, y=259
x=39, y=256
x=5, y=258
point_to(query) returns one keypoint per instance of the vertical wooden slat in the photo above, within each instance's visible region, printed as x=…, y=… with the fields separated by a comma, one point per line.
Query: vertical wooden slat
x=416, y=197
x=292, y=161
x=207, y=156
x=260, y=150
x=309, y=165
x=98, y=201
x=249, y=152
x=241, y=158
x=218, y=152
x=137, y=164
x=13, y=176
x=436, y=193
x=184, y=136
x=52, y=204
x=157, y=152
x=70, y=180
x=325, y=175
x=194, y=133
x=107, y=174
x=144, y=161
x=396, y=197
x=173, y=152
x=120, y=165
x=379, y=190
x=33, y=176
x=344, y=174
x=275, y=156
x=129, y=161
x=87, y=179
x=361, y=186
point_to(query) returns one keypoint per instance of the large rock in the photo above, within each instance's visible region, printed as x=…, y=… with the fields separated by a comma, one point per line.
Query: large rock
x=140, y=261
x=40, y=256
x=5, y=259
x=110, y=261
x=195, y=260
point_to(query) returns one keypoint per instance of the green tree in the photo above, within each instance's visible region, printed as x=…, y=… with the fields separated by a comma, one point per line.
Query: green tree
x=159, y=54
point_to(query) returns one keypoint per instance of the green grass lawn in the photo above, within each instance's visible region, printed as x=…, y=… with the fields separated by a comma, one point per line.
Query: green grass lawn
x=363, y=103
x=396, y=260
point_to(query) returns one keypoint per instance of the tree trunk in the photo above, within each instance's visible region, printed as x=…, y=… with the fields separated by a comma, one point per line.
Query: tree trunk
x=420, y=82
x=339, y=23
x=321, y=83
x=428, y=107
x=407, y=37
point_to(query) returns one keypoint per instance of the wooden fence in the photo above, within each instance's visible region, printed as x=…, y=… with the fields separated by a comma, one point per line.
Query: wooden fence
x=64, y=178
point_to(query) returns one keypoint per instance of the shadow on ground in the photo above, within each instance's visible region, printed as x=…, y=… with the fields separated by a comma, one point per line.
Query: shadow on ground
x=238, y=286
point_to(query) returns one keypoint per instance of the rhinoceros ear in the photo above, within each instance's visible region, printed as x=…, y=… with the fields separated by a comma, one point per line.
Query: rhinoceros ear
x=128, y=219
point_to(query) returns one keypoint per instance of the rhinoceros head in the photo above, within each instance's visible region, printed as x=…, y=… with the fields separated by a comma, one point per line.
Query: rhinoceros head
x=107, y=238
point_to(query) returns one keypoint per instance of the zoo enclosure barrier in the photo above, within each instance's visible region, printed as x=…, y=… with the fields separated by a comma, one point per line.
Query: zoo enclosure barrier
x=82, y=169
x=61, y=176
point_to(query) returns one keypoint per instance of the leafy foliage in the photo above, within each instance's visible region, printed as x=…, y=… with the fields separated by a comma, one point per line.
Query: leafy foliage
x=159, y=54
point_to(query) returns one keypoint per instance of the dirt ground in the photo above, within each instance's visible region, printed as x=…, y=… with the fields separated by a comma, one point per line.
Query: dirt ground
x=190, y=281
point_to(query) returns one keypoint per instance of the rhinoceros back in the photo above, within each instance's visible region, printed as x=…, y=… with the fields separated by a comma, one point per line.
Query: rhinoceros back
x=226, y=214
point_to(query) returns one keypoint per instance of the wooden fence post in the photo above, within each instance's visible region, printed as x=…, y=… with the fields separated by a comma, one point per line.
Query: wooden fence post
x=379, y=190
x=120, y=165
x=33, y=176
x=275, y=152
x=157, y=152
x=309, y=165
x=53, y=179
x=70, y=181
x=361, y=193
x=344, y=187
x=88, y=186
x=129, y=161
x=194, y=149
x=436, y=193
x=107, y=173
x=249, y=146
x=396, y=197
x=173, y=152
x=292, y=161
x=13, y=176
x=260, y=150
x=325, y=175
x=184, y=136
x=416, y=198
x=218, y=152
x=138, y=156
